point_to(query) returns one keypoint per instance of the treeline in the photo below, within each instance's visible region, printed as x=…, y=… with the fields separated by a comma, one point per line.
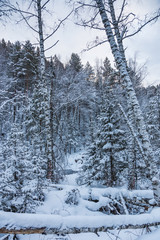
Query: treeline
x=85, y=111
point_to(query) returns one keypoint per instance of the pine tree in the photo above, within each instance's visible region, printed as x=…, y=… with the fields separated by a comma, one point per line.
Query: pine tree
x=29, y=66
x=152, y=115
x=14, y=66
x=75, y=62
x=20, y=189
x=104, y=160
x=57, y=67
x=4, y=56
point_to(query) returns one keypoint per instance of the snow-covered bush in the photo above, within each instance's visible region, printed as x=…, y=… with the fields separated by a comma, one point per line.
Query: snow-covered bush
x=72, y=197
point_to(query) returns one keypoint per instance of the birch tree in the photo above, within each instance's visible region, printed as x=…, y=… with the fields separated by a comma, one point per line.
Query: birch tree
x=116, y=25
x=117, y=48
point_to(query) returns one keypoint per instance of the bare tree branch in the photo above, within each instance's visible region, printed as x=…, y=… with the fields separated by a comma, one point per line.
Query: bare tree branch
x=122, y=9
x=13, y=8
x=30, y=4
x=51, y=46
x=90, y=26
x=96, y=45
x=45, y=4
x=25, y=19
x=86, y=5
x=143, y=25
x=58, y=26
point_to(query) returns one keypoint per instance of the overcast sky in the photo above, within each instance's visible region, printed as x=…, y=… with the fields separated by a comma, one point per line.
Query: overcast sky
x=146, y=45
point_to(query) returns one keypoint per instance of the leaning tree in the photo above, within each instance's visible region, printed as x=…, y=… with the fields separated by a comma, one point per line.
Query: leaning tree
x=106, y=16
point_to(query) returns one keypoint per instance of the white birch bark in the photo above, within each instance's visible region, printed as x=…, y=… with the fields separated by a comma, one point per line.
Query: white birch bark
x=131, y=130
x=116, y=30
x=41, y=39
x=131, y=96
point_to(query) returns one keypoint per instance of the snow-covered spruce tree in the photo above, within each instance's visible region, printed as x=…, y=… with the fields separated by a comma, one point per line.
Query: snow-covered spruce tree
x=111, y=82
x=19, y=183
x=4, y=89
x=75, y=63
x=57, y=67
x=20, y=189
x=4, y=49
x=15, y=86
x=28, y=66
x=152, y=115
x=105, y=159
x=15, y=54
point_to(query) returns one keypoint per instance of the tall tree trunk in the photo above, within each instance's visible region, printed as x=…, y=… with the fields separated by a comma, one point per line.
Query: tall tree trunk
x=48, y=130
x=131, y=164
x=41, y=40
x=116, y=30
x=53, y=166
x=131, y=96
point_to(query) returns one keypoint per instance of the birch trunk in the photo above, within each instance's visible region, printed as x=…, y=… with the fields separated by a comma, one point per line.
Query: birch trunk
x=116, y=30
x=119, y=58
x=41, y=40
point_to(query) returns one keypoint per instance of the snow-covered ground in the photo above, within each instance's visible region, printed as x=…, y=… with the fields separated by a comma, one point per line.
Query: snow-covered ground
x=58, y=213
x=110, y=235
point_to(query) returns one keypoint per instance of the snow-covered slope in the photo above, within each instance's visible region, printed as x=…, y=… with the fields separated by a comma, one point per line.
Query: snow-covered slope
x=68, y=206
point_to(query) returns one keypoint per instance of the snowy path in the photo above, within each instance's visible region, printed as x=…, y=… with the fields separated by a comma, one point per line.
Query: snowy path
x=74, y=163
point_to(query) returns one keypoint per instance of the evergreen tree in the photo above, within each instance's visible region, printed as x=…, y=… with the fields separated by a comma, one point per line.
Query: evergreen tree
x=57, y=67
x=75, y=62
x=104, y=160
x=14, y=66
x=29, y=66
x=152, y=114
x=23, y=65
x=4, y=49
x=20, y=186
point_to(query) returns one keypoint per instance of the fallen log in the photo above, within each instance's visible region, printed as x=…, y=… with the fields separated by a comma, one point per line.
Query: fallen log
x=16, y=223
x=23, y=231
x=74, y=230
